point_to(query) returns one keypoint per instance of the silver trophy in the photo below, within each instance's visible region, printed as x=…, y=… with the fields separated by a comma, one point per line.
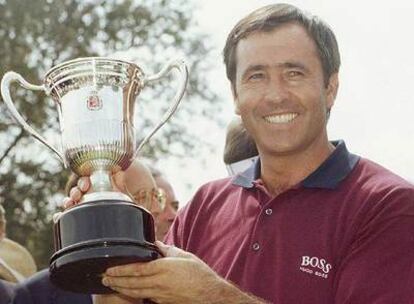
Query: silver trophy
x=95, y=99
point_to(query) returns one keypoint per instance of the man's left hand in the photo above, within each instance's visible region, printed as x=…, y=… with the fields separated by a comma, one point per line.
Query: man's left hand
x=179, y=277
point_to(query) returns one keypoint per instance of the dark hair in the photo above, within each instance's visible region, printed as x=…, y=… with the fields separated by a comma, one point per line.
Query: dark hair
x=269, y=17
x=239, y=144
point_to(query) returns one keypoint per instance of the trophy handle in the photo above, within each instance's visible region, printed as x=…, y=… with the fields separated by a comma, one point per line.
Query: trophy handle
x=182, y=68
x=8, y=78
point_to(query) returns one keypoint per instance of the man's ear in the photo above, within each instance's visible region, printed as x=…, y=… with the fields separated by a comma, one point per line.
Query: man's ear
x=235, y=100
x=332, y=90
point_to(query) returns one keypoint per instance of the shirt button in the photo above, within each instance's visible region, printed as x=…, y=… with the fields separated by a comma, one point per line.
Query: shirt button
x=269, y=211
x=256, y=246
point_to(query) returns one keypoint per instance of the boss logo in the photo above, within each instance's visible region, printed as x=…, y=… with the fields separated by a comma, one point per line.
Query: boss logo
x=314, y=265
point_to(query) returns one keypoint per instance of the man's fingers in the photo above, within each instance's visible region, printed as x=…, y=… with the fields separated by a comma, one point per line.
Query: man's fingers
x=68, y=202
x=172, y=251
x=75, y=194
x=84, y=184
x=136, y=269
x=136, y=282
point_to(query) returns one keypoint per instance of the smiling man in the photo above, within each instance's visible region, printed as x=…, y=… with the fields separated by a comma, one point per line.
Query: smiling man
x=281, y=94
x=308, y=222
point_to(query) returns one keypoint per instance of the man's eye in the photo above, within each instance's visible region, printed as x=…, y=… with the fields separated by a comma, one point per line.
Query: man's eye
x=256, y=76
x=294, y=74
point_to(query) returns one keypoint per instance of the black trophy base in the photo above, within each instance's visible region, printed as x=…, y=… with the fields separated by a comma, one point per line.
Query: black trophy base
x=81, y=271
x=92, y=237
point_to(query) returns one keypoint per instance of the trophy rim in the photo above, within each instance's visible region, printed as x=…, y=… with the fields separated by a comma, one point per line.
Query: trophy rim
x=86, y=59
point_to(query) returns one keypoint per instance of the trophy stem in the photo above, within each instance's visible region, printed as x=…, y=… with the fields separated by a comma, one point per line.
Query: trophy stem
x=101, y=188
x=100, y=181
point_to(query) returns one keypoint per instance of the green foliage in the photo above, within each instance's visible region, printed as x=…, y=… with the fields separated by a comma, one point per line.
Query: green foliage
x=38, y=34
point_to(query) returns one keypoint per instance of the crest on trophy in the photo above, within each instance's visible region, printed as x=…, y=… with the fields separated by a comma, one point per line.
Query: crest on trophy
x=93, y=102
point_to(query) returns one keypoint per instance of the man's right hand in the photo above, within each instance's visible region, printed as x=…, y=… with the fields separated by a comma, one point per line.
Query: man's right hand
x=135, y=178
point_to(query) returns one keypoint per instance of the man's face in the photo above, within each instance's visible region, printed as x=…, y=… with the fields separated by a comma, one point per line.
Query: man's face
x=164, y=220
x=280, y=91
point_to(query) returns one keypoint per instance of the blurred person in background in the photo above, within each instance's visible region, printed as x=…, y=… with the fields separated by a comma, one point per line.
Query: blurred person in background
x=240, y=150
x=16, y=263
x=6, y=272
x=169, y=204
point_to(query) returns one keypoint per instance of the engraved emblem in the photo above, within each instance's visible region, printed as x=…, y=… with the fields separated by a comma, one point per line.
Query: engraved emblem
x=94, y=103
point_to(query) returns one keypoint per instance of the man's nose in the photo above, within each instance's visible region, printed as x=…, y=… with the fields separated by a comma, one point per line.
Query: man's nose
x=277, y=90
x=170, y=213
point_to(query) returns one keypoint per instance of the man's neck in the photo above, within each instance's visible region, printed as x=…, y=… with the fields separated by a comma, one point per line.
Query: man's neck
x=281, y=172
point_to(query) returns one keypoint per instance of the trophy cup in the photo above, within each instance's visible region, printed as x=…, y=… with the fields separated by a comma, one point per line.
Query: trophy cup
x=95, y=100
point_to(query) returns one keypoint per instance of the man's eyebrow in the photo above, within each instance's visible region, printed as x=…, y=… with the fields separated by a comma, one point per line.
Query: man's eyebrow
x=253, y=68
x=287, y=64
x=293, y=64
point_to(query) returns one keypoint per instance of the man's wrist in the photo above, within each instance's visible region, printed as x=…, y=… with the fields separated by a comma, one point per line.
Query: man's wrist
x=113, y=299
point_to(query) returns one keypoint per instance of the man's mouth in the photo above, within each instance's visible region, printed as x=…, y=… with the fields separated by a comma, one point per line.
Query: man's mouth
x=280, y=118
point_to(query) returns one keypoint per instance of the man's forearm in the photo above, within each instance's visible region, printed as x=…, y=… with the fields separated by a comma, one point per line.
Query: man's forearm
x=227, y=293
x=113, y=299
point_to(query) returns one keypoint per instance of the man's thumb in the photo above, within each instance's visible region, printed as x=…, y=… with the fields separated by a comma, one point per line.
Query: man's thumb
x=172, y=251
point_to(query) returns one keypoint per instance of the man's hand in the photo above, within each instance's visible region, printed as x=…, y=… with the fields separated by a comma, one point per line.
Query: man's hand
x=137, y=177
x=179, y=277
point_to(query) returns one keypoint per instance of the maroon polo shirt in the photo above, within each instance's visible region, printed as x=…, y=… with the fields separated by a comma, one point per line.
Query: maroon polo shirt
x=345, y=234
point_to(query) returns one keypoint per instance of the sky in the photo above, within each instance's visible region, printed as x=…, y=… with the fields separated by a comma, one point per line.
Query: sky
x=374, y=109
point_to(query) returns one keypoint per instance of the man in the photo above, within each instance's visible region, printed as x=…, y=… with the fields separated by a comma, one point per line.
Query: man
x=240, y=150
x=164, y=218
x=309, y=222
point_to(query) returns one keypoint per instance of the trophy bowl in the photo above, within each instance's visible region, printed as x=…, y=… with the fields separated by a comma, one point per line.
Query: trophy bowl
x=95, y=99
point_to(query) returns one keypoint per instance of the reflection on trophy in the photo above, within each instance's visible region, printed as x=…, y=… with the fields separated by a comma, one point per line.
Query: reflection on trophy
x=95, y=100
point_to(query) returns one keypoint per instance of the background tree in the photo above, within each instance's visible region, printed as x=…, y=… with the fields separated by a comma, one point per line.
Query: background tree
x=36, y=35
